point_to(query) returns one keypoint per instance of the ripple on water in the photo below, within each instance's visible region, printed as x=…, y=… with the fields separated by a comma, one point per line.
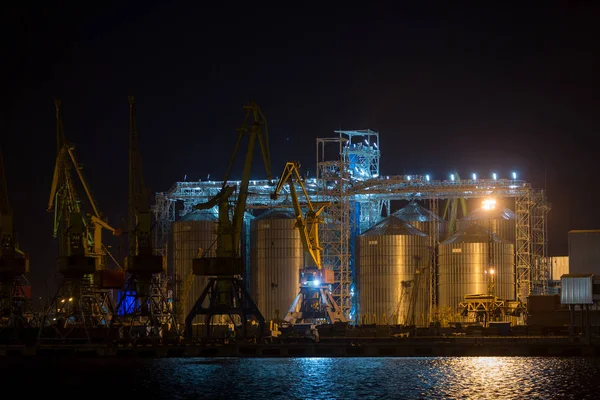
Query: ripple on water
x=318, y=378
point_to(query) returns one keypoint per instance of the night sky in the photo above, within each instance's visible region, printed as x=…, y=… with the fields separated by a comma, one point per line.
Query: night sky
x=473, y=89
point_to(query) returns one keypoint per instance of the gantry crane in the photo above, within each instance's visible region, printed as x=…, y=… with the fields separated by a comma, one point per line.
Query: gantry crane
x=144, y=310
x=314, y=303
x=81, y=308
x=16, y=313
x=225, y=293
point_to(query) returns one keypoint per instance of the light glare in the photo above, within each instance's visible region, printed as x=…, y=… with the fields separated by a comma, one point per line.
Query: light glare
x=488, y=204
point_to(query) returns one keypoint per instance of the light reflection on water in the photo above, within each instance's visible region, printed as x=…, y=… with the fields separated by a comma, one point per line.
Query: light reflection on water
x=323, y=378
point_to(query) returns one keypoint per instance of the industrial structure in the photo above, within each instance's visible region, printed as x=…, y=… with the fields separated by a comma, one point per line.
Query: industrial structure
x=314, y=303
x=143, y=310
x=82, y=307
x=226, y=293
x=349, y=253
x=16, y=313
x=359, y=197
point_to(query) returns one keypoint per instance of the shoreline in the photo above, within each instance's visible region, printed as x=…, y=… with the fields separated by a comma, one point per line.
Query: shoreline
x=330, y=347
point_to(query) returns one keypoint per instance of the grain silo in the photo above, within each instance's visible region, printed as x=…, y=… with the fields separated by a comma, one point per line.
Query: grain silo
x=465, y=261
x=277, y=256
x=389, y=255
x=422, y=219
x=194, y=231
x=501, y=221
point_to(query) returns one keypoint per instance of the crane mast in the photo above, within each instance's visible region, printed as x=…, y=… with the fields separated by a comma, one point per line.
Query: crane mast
x=82, y=303
x=143, y=309
x=225, y=292
x=15, y=310
x=314, y=303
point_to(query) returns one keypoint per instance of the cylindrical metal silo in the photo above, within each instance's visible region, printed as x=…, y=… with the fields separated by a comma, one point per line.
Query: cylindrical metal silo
x=501, y=221
x=465, y=261
x=277, y=256
x=194, y=231
x=423, y=219
x=389, y=255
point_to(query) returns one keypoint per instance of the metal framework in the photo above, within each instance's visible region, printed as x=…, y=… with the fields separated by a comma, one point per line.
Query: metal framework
x=489, y=308
x=539, y=242
x=360, y=202
x=332, y=179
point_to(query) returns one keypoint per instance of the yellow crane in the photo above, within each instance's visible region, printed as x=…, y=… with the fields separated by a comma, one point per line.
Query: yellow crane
x=81, y=233
x=79, y=302
x=314, y=303
x=15, y=309
x=225, y=290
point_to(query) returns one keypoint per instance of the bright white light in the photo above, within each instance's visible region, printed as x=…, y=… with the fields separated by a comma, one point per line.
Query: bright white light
x=474, y=177
x=514, y=174
x=408, y=177
x=488, y=204
x=427, y=178
x=451, y=177
x=367, y=143
x=492, y=271
x=494, y=176
x=316, y=283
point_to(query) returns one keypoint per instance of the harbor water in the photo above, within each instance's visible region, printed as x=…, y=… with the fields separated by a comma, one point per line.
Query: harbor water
x=308, y=378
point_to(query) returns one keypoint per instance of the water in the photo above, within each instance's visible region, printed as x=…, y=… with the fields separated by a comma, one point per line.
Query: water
x=309, y=378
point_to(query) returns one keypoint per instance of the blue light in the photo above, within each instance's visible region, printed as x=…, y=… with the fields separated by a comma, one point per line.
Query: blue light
x=316, y=283
x=514, y=175
x=427, y=178
x=128, y=303
x=451, y=177
x=474, y=177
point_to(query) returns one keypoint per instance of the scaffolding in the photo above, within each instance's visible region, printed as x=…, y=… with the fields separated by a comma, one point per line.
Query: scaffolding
x=541, y=270
x=349, y=177
x=332, y=179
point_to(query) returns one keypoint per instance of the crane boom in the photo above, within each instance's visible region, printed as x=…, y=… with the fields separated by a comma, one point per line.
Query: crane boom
x=77, y=233
x=314, y=303
x=13, y=261
x=308, y=225
x=225, y=292
x=7, y=242
x=229, y=230
x=140, y=217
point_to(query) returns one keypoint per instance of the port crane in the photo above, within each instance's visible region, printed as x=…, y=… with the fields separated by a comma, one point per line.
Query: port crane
x=225, y=293
x=144, y=310
x=314, y=303
x=82, y=307
x=16, y=312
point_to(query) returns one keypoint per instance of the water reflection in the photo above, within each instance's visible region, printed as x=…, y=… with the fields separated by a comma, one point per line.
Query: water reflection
x=318, y=378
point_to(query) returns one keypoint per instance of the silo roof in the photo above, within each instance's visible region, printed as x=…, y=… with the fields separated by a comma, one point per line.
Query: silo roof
x=277, y=213
x=473, y=234
x=393, y=225
x=499, y=213
x=413, y=211
x=199, y=215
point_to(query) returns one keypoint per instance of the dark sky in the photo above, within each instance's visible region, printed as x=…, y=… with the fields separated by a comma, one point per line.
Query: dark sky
x=477, y=89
